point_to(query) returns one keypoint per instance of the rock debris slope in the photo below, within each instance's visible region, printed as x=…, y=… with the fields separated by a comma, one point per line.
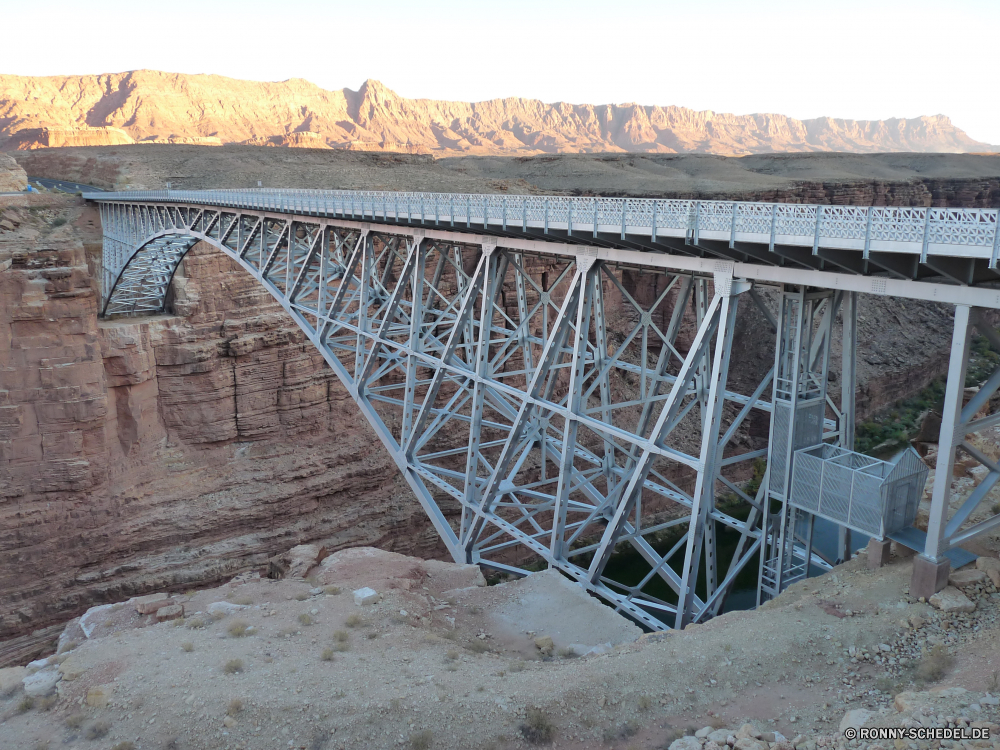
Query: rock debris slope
x=158, y=107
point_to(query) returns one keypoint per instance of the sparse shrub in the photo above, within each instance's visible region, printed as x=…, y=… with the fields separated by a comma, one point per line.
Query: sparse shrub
x=477, y=646
x=195, y=623
x=124, y=745
x=244, y=600
x=216, y=616
x=934, y=663
x=327, y=654
x=75, y=721
x=538, y=729
x=644, y=703
x=179, y=622
x=58, y=222
x=187, y=646
x=235, y=707
x=25, y=704
x=371, y=636
x=301, y=596
x=354, y=620
x=331, y=590
x=233, y=666
x=342, y=640
x=452, y=655
x=305, y=619
x=421, y=740
x=619, y=732
x=567, y=653
x=96, y=729
x=516, y=666
x=46, y=704
x=238, y=628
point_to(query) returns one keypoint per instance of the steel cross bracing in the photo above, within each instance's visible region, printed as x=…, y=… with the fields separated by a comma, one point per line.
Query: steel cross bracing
x=529, y=426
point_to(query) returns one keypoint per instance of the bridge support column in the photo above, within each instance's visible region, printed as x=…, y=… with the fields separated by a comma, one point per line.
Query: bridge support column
x=802, y=359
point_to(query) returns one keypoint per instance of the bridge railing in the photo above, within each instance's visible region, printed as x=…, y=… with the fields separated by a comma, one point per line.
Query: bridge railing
x=961, y=232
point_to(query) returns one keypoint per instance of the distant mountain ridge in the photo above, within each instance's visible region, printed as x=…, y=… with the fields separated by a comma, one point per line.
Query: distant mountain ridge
x=155, y=107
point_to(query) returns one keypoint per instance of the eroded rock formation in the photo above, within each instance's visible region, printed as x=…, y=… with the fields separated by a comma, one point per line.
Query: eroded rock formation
x=157, y=107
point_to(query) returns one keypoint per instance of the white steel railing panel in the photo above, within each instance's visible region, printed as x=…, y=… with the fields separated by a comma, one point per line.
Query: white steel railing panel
x=956, y=232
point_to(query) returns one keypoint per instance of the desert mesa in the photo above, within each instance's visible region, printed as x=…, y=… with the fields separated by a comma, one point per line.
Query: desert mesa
x=149, y=106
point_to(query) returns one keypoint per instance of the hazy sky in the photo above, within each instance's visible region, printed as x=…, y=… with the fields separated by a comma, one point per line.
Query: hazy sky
x=861, y=59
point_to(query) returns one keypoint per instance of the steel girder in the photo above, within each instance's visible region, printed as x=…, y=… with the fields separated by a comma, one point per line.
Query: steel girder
x=529, y=426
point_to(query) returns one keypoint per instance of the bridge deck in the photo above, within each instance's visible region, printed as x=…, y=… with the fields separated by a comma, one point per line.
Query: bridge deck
x=953, y=244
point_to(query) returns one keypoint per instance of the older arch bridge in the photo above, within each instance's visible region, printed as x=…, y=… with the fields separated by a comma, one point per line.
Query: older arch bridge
x=475, y=335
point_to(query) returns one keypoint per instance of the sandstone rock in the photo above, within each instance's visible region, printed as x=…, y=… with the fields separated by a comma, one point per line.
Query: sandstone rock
x=229, y=722
x=703, y=733
x=747, y=731
x=172, y=612
x=225, y=608
x=72, y=668
x=950, y=599
x=855, y=718
x=963, y=578
x=304, y=557
x=748, y=743
x=366, y=595
x=99, y=695
x=685, y=743
x=916, y=621
x=147, y=605
x=12, y=176
x=544, y=643
x=10, y=680
x=990, y=566
x=42, y=683
x=719, y=736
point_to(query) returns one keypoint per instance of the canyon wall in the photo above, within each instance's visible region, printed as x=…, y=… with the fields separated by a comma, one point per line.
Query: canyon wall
x=165, y=453
x=157, y=107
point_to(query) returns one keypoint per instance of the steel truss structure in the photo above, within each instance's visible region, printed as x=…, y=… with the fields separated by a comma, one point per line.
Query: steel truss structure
x=532, y=428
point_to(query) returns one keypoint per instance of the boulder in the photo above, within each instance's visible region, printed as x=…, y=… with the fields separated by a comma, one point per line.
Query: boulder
x=147, y=605
x=365, y=596
x=962, y=578
x=748, y=731
x=703, y=733
x=950, y=599
x=225, y=608
x=991, y=567
x=545, y=644
x=297, y=562
x=42, y=683
x=855, y=718
x=685, y=743
x=172, y=612
x=719, y=736
x=10, y=680
x=748, y=743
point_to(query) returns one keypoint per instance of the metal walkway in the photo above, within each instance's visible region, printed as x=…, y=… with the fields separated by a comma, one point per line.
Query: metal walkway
x=541, y=407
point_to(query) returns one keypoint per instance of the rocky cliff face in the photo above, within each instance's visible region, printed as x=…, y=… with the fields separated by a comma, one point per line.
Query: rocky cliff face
x=158, y=107
x=12, y=177
x=140, y=455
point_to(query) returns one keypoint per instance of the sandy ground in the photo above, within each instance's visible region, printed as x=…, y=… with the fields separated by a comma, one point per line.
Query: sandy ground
x=197, y=167
x=441, y=661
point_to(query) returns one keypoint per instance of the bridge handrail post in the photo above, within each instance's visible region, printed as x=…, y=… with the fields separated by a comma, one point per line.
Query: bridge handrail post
x=996, y=241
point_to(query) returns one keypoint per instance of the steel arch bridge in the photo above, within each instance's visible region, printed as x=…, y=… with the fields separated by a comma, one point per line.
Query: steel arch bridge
x=474, y=334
